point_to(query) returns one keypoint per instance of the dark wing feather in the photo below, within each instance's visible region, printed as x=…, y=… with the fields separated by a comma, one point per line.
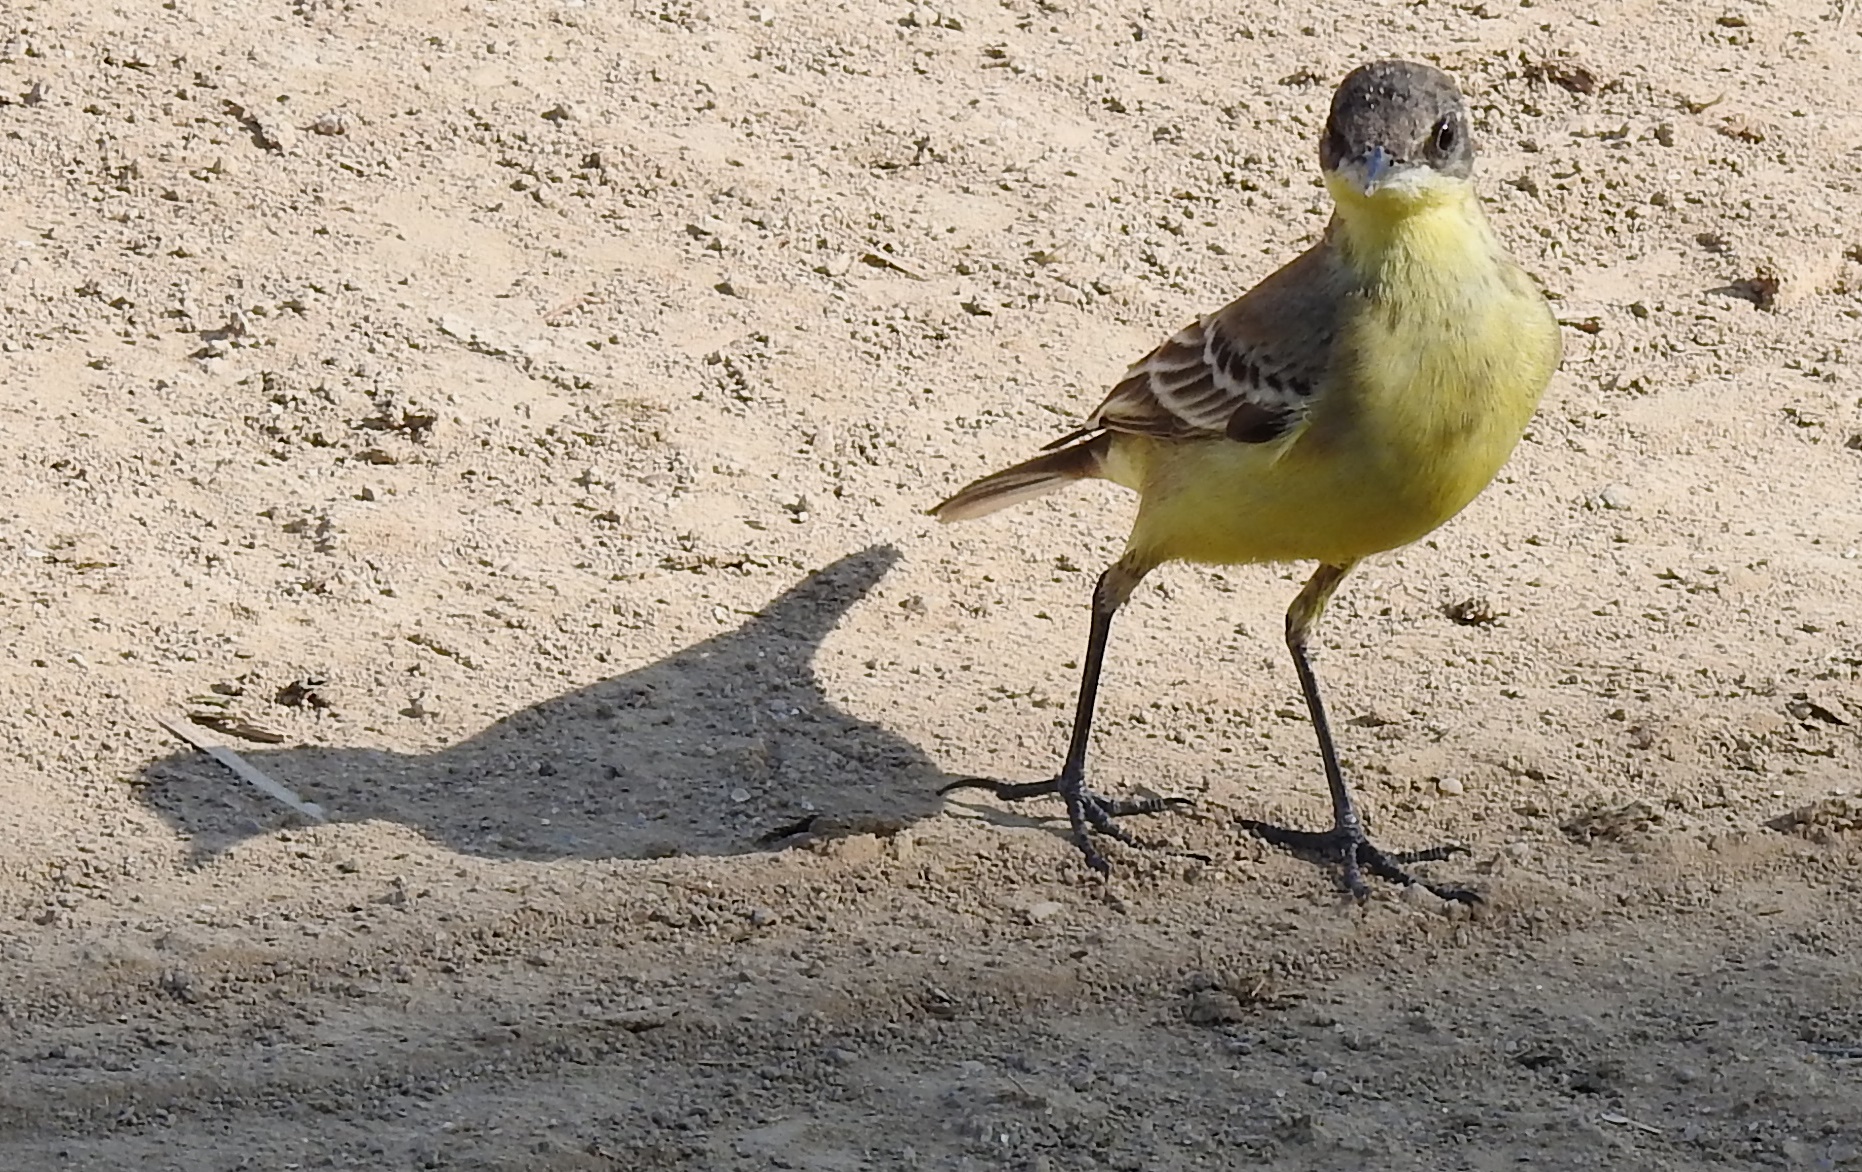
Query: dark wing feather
x=1248, y=372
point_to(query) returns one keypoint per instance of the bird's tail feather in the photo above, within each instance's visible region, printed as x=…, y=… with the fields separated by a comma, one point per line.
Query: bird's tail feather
x=1026, y=480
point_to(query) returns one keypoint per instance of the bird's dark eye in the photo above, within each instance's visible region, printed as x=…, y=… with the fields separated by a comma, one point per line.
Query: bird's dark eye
x=1446, y=135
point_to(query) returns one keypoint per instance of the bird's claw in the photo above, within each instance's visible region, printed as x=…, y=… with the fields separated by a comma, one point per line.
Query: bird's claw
x=1086, y=811
x=1351, y=850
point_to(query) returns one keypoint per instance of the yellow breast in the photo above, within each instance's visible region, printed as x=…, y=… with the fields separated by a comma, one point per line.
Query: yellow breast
x=1443, y=365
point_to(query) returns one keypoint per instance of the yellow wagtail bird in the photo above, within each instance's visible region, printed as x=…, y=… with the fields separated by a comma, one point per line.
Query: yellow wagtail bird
x=1348, y=404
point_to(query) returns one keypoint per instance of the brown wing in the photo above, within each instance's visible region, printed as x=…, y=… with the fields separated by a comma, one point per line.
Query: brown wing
x=1248, y=372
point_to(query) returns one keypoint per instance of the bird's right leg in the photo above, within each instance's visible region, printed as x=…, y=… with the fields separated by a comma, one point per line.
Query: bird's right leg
x=1086, y=811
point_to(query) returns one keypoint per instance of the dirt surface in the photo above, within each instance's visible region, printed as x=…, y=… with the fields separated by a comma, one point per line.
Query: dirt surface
x=513, y=423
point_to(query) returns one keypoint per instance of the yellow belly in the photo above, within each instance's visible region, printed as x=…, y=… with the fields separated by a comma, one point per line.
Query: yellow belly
x=1220, y=502
x=1424, y=410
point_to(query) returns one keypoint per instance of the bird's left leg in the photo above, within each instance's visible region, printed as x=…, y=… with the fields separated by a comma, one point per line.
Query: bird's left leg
x=1346, y=843
x=1086, y=810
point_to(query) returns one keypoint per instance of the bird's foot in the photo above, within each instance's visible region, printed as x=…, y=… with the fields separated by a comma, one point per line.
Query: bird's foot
x=1087, y=812
x=1351, y=850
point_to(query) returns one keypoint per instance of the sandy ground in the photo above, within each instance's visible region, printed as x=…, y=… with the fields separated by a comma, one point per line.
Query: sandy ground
x=514, y=422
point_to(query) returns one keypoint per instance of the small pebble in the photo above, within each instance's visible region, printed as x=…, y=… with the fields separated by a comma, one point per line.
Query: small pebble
x=1424, y=900
x=1046, y=909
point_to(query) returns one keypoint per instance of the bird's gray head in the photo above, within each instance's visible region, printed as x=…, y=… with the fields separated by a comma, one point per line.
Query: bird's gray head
x=1399, y=128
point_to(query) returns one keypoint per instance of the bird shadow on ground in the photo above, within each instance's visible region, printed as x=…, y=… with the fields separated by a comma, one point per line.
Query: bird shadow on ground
x=727, y=746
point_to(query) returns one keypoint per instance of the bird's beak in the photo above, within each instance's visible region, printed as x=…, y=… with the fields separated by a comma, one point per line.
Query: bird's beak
x=1373, y=165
